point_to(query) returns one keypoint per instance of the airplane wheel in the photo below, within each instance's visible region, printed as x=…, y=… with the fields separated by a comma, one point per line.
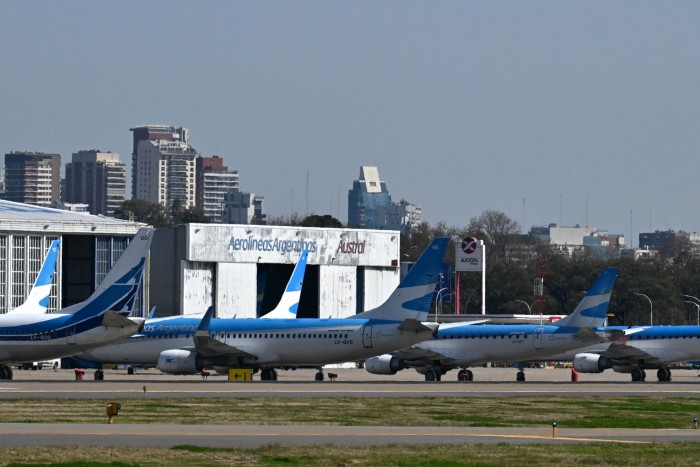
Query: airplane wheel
x=6, y=373
x=267, y=374
x=637, y=374
x=274, y=375
x=664, y=374
x=430, y=375
x=520, y=377
x=463, y=375
x=319, y=376
x=644, y=375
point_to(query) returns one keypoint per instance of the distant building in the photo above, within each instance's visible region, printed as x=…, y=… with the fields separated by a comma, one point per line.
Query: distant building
x=163, y=169
x=97, y=179
x=370, y=205
x=152, y=133
x=33, y=178
x=213, y=182
x=668, y=243
x=402, y=216
x=577, y=240
x=368, y=195
x=243, y=208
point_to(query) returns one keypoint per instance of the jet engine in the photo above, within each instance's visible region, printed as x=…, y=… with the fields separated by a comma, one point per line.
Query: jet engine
x=590, y=363
x=180, y=362
x=383, y=365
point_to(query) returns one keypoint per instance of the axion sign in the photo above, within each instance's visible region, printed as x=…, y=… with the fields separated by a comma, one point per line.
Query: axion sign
x=469, y=245
x=469, y=256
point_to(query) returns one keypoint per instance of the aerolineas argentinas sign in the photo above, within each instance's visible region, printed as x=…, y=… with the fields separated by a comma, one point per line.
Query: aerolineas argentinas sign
x=469, y=255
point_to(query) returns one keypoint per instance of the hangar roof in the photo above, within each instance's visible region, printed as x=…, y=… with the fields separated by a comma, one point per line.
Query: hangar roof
x=27, y=217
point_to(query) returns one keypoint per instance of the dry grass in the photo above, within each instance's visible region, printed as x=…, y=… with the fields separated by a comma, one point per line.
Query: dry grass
x=422, y=455
x=637, y=412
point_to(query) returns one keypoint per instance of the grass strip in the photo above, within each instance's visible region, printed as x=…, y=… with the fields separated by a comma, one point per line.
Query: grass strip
x=658, y=454
x=595, y=412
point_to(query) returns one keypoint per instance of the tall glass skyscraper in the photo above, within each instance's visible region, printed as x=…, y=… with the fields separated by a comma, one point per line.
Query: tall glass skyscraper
x=367, y=200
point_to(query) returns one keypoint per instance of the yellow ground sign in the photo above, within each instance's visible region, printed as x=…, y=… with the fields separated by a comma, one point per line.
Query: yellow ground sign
x=240, y=374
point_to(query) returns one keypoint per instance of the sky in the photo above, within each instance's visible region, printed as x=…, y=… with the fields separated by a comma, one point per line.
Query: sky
x=579, y=112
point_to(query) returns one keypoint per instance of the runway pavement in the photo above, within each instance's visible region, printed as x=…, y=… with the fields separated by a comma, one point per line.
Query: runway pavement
x=489, y=382
x=250, y=436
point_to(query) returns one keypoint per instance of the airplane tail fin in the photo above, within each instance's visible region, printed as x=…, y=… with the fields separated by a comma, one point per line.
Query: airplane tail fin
x=592, y=310
x=413, y=296
x=117, y=291
x=287, y=307
x=37, y=301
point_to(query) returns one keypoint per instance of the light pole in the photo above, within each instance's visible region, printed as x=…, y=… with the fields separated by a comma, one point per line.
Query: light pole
x=529, y=307
x=442, y=300
x=437, y=300
x=696, y=302
x=651, y=308
x=697, y=306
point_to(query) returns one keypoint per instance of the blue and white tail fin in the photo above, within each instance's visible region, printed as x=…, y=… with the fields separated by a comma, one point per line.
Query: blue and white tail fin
x=287, y=307
x=413, y=296
x=117, y=291
x=592, y=310
x=37, y=301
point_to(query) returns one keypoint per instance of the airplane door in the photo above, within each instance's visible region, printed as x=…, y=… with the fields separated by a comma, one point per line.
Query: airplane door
x=70, y=335
x=367, y=337
x=537, y=338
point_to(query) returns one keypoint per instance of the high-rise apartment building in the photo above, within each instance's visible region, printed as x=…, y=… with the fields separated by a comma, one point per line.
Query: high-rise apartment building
x=243, y=208
x=402, y=216
x=367, y=196
x=213, y=182
x=33, y=177
x=153, y=133
x=163, y=166
x=97, y=179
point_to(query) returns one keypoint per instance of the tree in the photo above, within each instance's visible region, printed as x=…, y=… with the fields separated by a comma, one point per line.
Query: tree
x=314, y=220
x=139, y=210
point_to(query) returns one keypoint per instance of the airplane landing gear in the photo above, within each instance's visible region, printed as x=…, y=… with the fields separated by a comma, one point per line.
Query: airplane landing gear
x=268, y=374
x=6, y=373
x=638, y=374
x=433, y=375
x=520, y=376
x=465, y=375
x=319, y=376
x=664, y=374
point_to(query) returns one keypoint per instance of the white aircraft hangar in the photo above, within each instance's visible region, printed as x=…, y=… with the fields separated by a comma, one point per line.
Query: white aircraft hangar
x=242, y=270
x=89, y=246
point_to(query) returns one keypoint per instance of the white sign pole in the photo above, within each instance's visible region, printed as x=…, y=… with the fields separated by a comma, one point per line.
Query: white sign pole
x=483, y=277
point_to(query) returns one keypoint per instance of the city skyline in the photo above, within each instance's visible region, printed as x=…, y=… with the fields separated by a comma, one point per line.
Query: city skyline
x=572, y=113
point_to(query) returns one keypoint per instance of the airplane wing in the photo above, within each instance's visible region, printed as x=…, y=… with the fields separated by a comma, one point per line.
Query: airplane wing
x=622, y=353
x=424, y=354
x=209, y=346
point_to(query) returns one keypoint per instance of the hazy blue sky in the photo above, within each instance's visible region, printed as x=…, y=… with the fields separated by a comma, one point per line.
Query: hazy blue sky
x=590, y=111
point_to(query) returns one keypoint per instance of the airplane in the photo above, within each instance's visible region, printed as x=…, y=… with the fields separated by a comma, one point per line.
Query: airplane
x=463, y=344
x=37, y=302
x=99, y=319
x=288, y=305
x=182, y=345
x=641, y=348
x=285, y=309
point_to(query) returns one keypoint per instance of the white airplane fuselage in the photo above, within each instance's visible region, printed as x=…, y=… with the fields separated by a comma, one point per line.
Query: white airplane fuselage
x=36, y=337
x=283, y=342
x=470, y=345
